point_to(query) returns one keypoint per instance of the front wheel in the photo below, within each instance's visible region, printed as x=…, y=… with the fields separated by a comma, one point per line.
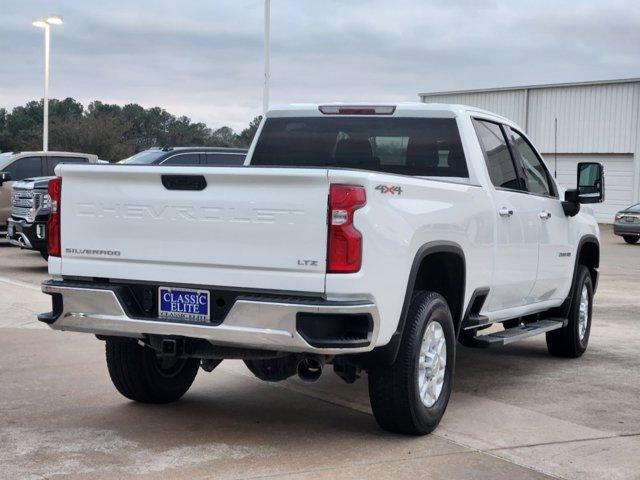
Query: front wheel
x=631, y=238
x=411, y=395
x=571, y=341
x=141, y=375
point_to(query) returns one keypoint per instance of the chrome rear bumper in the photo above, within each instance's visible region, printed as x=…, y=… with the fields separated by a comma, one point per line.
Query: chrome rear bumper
x=269, y=325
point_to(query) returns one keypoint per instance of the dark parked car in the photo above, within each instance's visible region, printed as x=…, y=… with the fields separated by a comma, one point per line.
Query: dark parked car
x=188, y=156
x=627, y=224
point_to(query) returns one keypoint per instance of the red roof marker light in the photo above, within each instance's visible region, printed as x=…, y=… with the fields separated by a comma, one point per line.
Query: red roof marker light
x=357, y=109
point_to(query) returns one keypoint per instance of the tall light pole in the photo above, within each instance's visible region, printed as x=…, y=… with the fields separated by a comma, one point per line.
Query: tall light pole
x=46, y=22
x=267, y=40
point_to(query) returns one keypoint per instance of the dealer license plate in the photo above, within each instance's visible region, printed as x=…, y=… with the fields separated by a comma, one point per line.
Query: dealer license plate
x=184, y=304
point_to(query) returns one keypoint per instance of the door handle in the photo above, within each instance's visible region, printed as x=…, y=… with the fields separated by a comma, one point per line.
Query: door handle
x=544, y=215
x=505, y=212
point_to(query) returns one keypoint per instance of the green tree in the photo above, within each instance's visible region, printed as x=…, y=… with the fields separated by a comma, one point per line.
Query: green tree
x=111, y=131
x=246, y=136
x=223, y=137
x=181, y=132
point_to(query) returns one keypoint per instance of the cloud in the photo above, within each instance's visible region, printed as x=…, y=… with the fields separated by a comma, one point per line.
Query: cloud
x=204, y=59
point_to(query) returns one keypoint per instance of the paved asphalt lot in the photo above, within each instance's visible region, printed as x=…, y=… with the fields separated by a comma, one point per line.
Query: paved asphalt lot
x=515, y=412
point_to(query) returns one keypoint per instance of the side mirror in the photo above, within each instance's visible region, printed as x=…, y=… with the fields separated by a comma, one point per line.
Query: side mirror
x=570, y=205
x=590, y=182
x=4, y=177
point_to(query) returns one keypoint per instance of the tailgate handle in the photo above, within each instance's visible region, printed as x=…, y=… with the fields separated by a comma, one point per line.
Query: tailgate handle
x=184, y=182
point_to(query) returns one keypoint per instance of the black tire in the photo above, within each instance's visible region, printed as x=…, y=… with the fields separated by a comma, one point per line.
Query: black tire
x=44, y=254
x=394, y=391
x=140, y=375
x=566, y=342
x=631, y=238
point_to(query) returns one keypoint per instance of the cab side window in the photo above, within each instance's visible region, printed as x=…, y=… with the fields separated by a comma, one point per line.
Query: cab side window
x=25, y=168
x=502, y=170
x=52, y=162
x=224, y=159
x=534, y=172
x=184, y=159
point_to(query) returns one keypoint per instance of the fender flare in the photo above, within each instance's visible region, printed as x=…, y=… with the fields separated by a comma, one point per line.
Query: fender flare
x=586, y=239
x=387, y=354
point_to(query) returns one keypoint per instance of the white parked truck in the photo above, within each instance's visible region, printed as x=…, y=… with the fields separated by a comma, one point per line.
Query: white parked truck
x=370, y=238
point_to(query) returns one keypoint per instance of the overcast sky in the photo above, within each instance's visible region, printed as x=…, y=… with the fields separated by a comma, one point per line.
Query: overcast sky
x=203, y=58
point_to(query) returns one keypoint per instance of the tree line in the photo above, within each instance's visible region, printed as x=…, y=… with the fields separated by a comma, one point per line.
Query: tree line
x=112, y=132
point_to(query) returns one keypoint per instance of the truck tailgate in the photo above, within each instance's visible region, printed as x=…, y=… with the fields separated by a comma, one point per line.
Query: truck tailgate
x=254, y=228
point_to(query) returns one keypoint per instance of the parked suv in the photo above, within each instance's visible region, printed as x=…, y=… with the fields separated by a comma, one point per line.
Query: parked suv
x=371, y=238
x=188, y=156
x=15, y=167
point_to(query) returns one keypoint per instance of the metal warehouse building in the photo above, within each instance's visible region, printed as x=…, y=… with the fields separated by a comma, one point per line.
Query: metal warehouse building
x=596, y=121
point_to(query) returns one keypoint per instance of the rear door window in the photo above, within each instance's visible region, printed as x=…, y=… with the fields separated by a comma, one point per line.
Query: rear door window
x=407, y=146
x=26, y=167
x=224, y=158
x=53, y=161
x=500, y=165
x=185, y=159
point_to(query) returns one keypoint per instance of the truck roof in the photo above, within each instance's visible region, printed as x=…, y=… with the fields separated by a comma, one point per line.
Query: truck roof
x=49, y=152
x=169, y=148
x=401, y=109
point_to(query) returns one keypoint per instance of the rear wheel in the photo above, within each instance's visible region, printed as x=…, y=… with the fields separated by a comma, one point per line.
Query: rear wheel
x=572, y=340
x=631, y=238
x=411, y=395
x=141, y=375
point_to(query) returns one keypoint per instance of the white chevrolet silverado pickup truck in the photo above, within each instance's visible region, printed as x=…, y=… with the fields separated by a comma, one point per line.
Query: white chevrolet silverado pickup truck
x=370, y=238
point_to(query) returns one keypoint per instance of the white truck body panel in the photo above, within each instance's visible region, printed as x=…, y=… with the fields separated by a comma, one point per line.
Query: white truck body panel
x=247, y=229
x=394, y=229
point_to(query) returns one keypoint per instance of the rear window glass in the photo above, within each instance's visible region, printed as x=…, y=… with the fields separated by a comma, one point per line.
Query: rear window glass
x=408, y=146
x=183, y=159
x=54, y=161
x=4, y=159
x=225, y=159
x=146, y=157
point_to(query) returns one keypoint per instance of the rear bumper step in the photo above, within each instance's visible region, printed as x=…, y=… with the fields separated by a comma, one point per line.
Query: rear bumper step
x=515, y=334
x=249, y=323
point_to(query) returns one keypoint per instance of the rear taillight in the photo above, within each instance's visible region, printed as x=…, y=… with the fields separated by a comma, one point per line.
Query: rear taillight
x=53, y=225
x=344, y=248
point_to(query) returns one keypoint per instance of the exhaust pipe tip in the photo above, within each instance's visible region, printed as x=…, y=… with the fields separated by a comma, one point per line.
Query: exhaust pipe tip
x=309, y=369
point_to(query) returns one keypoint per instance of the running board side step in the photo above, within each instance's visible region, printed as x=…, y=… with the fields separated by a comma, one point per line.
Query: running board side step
x=515, y=334
x=475, y=320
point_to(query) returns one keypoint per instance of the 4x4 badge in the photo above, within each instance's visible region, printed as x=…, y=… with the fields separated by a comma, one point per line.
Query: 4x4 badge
x=389, y=189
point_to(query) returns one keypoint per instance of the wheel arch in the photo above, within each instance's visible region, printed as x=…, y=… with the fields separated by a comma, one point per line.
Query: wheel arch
x=449, y=259
x=587, y=254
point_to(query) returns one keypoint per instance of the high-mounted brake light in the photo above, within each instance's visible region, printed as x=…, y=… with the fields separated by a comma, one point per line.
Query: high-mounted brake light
x=357, y=109
x=53, y=224
x=344, y=246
